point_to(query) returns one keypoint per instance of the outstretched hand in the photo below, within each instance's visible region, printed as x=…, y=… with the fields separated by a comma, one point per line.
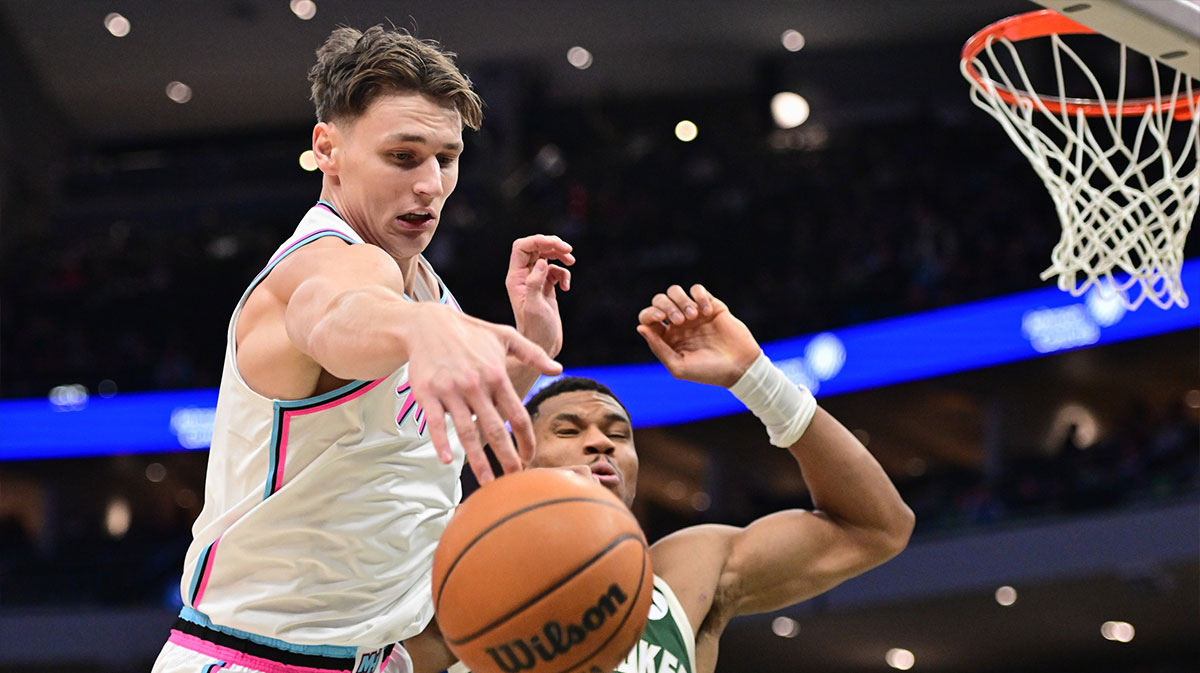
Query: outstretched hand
x=459, y=369
x=696, y=337
x=531, y=282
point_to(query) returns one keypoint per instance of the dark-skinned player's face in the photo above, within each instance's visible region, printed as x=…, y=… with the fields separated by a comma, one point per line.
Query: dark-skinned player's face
x=588, y=428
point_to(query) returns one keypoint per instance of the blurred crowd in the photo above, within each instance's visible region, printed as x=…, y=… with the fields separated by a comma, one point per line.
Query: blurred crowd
x=798, y=232
x=864, y=224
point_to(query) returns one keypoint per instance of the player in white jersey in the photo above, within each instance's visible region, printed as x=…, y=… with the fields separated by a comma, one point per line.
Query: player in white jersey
x=334, y=467
x=706, y=575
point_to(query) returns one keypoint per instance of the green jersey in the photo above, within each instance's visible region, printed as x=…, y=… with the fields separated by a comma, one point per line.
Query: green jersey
x=668, y=644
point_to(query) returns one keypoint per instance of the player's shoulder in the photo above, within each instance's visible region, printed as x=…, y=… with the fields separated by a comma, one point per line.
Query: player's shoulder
x=332, y=257
x=694, y=539
x=693, y=556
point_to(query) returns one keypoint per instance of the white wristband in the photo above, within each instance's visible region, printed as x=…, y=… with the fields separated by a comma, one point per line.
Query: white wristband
x=784, y=407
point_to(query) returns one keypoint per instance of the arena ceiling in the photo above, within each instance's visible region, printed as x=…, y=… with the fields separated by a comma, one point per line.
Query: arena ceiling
x=246, y=60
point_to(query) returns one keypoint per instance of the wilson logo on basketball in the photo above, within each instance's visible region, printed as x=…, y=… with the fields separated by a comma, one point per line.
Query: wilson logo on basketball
x=556, y=639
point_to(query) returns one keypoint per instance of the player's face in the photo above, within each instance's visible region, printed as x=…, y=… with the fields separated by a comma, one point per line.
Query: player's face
x=395, y=167
x=588, y=428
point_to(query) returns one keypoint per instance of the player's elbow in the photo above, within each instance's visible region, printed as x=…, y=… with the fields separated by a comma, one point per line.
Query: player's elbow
x=894, y=536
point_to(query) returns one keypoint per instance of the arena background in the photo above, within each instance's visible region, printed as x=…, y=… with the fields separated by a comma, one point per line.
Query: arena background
x=131, y=223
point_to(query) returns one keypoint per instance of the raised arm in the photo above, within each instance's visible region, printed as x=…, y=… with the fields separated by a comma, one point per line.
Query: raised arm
x=859, y=522
x=531, y=283
x=339, y=310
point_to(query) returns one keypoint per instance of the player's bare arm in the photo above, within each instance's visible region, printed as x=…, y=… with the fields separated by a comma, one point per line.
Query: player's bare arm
x=531, y=283
x=719, y=572
x=332, y=312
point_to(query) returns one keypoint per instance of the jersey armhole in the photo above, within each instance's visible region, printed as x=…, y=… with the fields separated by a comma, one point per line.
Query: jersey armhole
x=680, y=617
x=237, y=312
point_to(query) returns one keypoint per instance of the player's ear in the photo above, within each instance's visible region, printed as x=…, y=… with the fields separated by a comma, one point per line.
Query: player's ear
x=325, y=146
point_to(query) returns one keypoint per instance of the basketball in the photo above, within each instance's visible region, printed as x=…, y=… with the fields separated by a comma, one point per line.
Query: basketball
x=543, y=571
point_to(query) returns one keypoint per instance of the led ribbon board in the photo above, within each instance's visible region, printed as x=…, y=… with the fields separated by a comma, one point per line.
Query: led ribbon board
x=919, y=346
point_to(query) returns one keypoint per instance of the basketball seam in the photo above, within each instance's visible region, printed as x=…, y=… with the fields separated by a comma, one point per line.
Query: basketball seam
x=557, y=584
x=508, y=517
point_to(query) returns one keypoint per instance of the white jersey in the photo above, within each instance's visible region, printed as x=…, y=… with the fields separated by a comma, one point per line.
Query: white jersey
x=320, y=515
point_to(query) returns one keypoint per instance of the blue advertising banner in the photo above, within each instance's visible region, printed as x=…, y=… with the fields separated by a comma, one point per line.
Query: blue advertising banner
x=72, y=423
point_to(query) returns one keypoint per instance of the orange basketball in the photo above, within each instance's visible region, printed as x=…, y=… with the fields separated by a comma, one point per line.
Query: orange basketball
x=542, y=571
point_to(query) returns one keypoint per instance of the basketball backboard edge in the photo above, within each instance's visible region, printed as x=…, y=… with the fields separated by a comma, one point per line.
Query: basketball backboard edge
x=1167, y=30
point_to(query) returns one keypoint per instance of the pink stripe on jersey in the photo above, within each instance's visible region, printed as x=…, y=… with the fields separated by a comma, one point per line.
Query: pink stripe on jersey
x=334, y=402
x=285, y=424
x=208, y=564
x=232, y=656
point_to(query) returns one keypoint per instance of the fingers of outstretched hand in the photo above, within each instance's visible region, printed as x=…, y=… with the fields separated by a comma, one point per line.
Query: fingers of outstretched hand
x=671, y=312
x=652, y=316
x=469, y=437
x=704, y=299
x=491, y=425
x=683, y=302
x=522, y=426
x=540, y=246
x=435, y=416
x=526, y=351
x=558, y=276
x=661, y=349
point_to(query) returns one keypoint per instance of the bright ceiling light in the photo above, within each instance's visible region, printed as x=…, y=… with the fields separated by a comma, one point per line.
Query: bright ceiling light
x=785, y=627
x=179, y=92
x=789, y=109
x=1121, y=632
x=308, y=160
x=1006, y=595
x=900, y=658
x=686, y=131
x=117, y=517
x=304, y=9
x=117, y=24
x=579, y=57
x=793, y=40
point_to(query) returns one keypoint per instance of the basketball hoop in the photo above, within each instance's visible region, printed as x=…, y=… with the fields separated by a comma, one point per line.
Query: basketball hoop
x=1124, y=174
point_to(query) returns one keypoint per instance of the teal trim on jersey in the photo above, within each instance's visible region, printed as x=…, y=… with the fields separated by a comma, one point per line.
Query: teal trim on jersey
x=280, y=409
x=199, y=573
x=336, y=651
x=277, y=420
x=293, y=248
x=323, y=202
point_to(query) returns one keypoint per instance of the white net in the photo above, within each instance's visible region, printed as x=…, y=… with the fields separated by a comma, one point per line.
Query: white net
x=1125, y=182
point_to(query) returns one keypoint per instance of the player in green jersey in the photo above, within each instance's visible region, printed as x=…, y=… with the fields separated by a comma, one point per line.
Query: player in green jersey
x=706, y=575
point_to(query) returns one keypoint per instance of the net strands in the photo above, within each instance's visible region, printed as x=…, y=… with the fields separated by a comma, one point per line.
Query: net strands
x=1124, y=199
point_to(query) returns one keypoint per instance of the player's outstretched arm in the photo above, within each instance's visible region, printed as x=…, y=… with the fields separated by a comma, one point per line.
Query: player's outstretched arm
x=343, y=308
x=784, y=558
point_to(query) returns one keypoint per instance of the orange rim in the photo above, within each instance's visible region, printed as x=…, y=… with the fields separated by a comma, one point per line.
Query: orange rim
x=1044, y=23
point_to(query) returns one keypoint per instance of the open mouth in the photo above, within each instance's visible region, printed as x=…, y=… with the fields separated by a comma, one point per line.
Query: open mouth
x=416, y=219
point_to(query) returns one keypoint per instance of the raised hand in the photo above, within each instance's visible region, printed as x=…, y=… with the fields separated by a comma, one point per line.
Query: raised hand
x=696, y=337
x=531, y=282
x=458, y=367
